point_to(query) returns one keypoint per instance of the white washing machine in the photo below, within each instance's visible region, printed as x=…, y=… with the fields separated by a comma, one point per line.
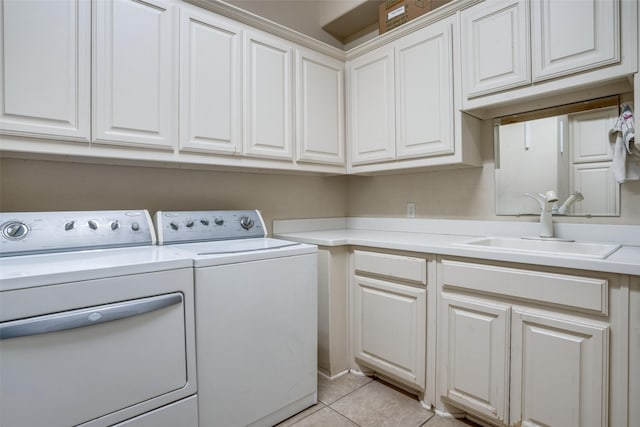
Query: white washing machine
x=256, y=317
x=96, y=323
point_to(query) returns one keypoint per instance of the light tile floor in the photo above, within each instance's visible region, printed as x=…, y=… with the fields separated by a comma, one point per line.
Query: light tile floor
x=352, y=400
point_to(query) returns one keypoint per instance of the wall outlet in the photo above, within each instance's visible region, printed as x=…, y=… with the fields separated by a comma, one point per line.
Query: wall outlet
x=411, y=210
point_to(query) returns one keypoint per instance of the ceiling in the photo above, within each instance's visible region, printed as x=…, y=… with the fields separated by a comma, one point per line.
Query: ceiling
x=340, y=23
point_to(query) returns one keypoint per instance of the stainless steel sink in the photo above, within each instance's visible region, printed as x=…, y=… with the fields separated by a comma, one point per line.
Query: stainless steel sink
x=543, y=247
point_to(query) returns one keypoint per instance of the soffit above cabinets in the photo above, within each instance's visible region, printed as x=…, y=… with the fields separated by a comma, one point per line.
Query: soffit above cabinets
x=334, y=22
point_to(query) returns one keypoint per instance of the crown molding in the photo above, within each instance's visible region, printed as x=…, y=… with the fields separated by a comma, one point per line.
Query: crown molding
x=428, y=18
x=260, y=23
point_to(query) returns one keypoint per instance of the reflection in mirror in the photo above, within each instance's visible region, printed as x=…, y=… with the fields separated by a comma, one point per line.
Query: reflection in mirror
x=568, y=153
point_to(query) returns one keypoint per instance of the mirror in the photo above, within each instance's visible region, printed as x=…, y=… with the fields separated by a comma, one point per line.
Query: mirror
x=563, y=150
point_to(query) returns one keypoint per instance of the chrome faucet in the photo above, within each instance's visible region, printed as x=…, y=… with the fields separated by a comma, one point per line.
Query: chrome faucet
x=546, y=202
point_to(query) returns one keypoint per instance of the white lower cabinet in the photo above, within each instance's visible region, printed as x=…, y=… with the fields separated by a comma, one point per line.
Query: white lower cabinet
x=389, y=316
x=508, y=361
x=477, y=355
x=559, y=371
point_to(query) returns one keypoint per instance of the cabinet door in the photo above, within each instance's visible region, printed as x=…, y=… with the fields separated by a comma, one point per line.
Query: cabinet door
x=476, y=336
x=210, y=83
x=591, y=40
x=587, y=129
x=598, y=186
x=371, y=107
x=319, y=108
x=45, y=66
x=134, y=76
x=390, y=328
x=559, y=372
x=495, y=46
x=424, y=92
x=267, y=100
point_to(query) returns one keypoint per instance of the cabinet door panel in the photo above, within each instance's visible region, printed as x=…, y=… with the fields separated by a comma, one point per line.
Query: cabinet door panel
x=319, y=108
x=45, y=65
x=559, y=372
x=424, y=91
x=210, y=84
x=495, y=46
x=390, y=328
x=268, y=114
x=477, y=356
x=591, y=40
x=134, y=73
x=599, y=187
x=586, y=130
x=372, y=107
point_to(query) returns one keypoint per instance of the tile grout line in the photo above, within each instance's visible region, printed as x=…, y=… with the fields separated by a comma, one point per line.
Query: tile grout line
x=343, y=416
x=352, y=391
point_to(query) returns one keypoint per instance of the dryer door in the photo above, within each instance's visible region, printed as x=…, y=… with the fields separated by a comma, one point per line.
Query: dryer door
x=86, y=364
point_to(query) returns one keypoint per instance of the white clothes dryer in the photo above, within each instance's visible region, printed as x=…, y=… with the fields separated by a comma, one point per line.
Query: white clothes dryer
x=96, y=322
x=256, y=317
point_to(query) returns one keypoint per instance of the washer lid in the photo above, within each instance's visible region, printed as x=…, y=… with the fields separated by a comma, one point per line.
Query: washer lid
x=235, y=251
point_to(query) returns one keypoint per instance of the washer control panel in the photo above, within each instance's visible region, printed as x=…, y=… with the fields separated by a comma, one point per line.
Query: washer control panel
x=24, y=233
x=201, y=226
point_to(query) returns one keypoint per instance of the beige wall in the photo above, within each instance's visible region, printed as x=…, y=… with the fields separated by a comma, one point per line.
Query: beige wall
x=30, y=185
x=457, y=194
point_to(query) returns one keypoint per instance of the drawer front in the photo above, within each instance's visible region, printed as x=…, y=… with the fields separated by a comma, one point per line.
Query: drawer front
x=572, y=292
x=394, y=266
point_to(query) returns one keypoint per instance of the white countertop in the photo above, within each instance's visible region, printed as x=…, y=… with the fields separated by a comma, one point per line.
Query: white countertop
x=625, y=260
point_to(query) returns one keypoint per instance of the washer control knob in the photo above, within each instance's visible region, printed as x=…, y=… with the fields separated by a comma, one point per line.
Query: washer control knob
x=93, y=224
x=189, y=224
x=174, y=225
x=204, y=222
x=219, y=221
x=69, y=225
x=246, y=222
x=135, y=226
x=115, y=225
x=15, y=230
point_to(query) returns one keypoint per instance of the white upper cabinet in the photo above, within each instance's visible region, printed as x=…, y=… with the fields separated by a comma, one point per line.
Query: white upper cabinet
x=495, y=46
x=371, y=118
x=319, y=108
x=210, y=83
x=45, y=66
x=570, y=36
x=267, y=97
x=517, y=50
x=134, y=73
x=424, y=92
x=401, y=98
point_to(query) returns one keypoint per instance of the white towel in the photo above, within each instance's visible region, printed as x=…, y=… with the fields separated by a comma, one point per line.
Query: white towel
x=626, y=155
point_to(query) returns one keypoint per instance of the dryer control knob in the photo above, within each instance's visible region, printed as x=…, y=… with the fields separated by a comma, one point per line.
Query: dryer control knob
x=204, y=222
x=189, y=224
x=115, y=225
x=69, y=225
x=219, y=221
x=93, y=224
x=135, y=226
x=246, y=222
x=15, y=230
x=174, y=225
